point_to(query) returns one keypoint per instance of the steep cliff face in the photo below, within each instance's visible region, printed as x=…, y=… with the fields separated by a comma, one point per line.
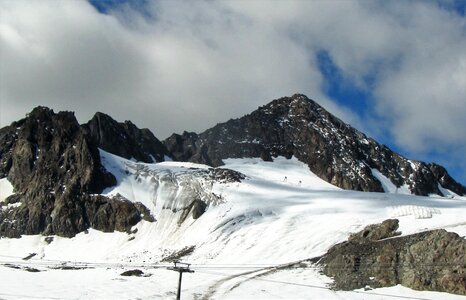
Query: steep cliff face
x=336, y=152
x=55, y=171
x=124, y=139
x=47, y=148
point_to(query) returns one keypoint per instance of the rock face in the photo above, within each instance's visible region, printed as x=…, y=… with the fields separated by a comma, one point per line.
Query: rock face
x=297, y=126
x=56, y=170
x=433, y=260
x=376, y=232
x=124, y=139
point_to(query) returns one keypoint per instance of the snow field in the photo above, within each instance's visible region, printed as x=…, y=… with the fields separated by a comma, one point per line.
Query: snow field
x=265, y=220
x=6, y=189
x=388, y=186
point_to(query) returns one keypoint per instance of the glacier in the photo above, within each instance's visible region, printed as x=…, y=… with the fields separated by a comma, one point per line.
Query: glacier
x=277, y=214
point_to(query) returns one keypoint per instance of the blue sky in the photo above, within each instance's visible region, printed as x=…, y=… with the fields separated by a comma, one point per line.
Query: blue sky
x=360, y=100
x=107, y=6
x=335, y=85
x=396, y=70
x=342, y=89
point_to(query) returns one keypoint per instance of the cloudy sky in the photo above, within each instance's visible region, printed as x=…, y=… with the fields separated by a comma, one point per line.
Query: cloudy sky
x=393, y=69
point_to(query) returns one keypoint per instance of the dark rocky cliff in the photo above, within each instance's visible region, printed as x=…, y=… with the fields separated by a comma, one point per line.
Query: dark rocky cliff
x=55, y=170
x=297, y=126
x=124, y=139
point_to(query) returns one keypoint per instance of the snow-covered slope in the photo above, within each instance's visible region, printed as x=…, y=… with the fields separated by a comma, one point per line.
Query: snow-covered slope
x=279, y=214
x=336, y=152
x=6, y=189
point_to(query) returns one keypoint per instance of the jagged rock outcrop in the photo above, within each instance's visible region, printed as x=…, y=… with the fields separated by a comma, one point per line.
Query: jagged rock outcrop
x=46, y=147
x=109, y=214
x=297, y=126
x=124, y=139
x=377, y=231
x=55, y=170
x=196, y=209
x=445, y=180
x=432, y=260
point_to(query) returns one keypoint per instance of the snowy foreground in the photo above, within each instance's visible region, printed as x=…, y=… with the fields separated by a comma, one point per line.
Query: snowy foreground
x=248, y=230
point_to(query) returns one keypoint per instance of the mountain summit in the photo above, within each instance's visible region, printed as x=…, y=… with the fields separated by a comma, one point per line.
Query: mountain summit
x=60, y=178
x=55, y=165
x=333, y=150
x=124, y=139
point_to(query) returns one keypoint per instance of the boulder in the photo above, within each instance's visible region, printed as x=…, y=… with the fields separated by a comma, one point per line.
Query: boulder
x=432, y=260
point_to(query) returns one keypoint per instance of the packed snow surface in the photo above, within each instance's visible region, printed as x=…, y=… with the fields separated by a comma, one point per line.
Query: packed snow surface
x=6, y=189
x=388, y=186
x=279, y=214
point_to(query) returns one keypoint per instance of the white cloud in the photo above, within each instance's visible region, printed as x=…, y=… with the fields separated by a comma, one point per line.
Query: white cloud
x=415, y=51
x=425, y=97
x=196, y=63
x=65, y=55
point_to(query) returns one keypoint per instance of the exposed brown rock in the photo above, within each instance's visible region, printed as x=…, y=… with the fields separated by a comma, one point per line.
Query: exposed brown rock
x=297, y=126
x=124, y=139
x=196, y=208
x=377, y=232
x=54, y=169
x=432, y=260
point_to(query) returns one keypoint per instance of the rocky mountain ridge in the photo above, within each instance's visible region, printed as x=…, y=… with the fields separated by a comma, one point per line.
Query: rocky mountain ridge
x=54, y=166
x=59, y=175
x=124, y=139
x=335, y=151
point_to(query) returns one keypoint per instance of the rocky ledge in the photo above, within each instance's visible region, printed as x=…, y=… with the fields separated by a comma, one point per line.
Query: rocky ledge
x=376, y=257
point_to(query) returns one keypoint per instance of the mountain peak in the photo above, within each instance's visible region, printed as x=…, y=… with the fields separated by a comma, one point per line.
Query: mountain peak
x=333, y=150
x=102, y=116
x=124, y=139
x=39, y=110
x=55, y=168
x=51, y=165
x=43, y=113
